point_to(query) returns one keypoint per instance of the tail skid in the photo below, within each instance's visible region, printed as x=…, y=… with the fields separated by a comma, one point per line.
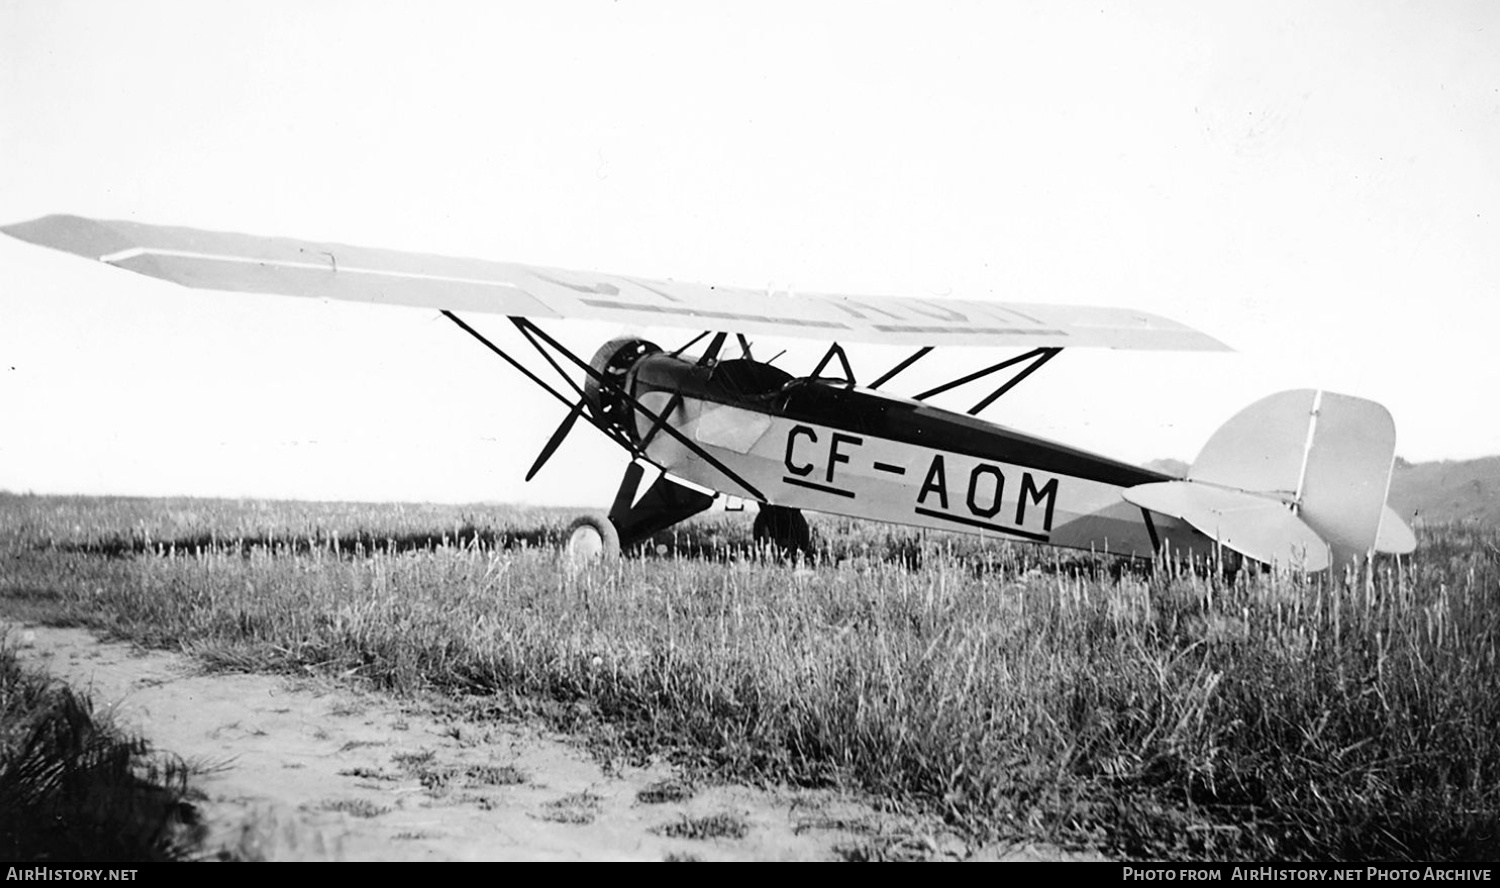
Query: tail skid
x=1298, y=478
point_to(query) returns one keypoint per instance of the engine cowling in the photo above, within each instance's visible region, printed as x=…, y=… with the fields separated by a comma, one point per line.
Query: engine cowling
x=613, y=361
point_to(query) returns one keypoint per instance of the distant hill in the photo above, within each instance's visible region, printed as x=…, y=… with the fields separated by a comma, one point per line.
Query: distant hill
x=1450, y=490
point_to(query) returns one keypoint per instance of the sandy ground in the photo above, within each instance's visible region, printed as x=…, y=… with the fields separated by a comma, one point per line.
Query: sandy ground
x=309, y=770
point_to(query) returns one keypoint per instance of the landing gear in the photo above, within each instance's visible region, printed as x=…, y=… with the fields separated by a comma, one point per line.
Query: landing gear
x=663, y=504
x=590, y=539
x=783, y=528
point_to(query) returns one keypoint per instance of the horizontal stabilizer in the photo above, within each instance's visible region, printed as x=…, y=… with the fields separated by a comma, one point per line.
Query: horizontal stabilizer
x=215, y=260
x=1258, y=527
x=1394, y=538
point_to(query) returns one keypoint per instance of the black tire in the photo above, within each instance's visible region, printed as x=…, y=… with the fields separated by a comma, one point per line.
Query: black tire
x=783, y=528
x=590, y=539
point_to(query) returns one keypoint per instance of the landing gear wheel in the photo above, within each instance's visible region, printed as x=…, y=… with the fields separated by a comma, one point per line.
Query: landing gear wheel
x=784, y=528
x=590, y=539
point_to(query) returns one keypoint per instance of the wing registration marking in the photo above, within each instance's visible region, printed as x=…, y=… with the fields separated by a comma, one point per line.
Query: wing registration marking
x=993, y=331
x=718, y=315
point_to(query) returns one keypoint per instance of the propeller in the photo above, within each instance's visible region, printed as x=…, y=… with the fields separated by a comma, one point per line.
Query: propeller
x=604, y=398
x=556, y=439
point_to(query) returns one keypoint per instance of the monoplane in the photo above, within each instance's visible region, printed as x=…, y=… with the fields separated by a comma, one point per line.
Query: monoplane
x=1297, y=479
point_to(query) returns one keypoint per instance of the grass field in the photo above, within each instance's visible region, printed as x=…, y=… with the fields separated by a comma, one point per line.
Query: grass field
x=1015, y=691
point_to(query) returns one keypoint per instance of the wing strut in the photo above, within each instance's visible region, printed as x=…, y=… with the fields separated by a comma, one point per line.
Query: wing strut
x=543, y=352
x=1037, y=357
x=689, y=344
x=1046, y=355
x=711, y=353
x=835, y=350
x=575, y=409
x=524, y=371
x=891, y=373
x=673, y=404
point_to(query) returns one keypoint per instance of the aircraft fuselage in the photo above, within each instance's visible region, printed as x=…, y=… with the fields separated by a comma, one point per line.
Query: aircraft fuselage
x=830, y=446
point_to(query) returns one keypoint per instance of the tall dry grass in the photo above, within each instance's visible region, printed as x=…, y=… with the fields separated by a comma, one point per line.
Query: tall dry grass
x=1013, y=690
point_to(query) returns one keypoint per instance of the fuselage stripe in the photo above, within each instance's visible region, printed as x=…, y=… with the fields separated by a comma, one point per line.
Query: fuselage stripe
x=932, y=513
x=825, y=489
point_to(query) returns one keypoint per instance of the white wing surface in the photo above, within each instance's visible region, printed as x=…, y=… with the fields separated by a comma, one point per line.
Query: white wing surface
x=245, y=263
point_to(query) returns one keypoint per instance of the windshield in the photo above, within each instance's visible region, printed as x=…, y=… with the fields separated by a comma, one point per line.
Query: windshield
x=747, y=378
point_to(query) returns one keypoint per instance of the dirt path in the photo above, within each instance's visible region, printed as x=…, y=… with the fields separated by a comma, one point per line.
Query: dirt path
x=309, y=770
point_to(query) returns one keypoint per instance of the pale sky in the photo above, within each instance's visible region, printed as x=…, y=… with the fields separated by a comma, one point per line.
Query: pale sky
x=1315, y=184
